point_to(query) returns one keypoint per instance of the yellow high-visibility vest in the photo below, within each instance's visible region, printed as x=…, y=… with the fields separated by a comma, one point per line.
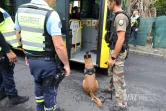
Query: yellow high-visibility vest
x=134, y=21
x=32, y=22
x=7, y=29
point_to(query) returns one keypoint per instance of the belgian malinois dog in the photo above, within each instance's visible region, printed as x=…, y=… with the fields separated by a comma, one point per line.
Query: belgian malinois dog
x=90, y=84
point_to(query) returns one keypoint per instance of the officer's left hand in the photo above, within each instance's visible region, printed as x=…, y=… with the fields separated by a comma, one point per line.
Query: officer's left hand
x=136, y=29
x=111, y=62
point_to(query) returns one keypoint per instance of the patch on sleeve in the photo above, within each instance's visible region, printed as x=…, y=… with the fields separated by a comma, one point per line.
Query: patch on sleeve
x=6, y=15
x=121, y=22
x=60, y=24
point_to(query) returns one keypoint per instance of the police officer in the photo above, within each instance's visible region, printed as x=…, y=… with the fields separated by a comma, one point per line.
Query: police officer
x=41, y=39
x=7, y=59
x=119, y=37
x=135, y=21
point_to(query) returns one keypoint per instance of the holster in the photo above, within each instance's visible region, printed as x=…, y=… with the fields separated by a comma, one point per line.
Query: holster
x=55, y=80
x=125, y=47
x=4, y=62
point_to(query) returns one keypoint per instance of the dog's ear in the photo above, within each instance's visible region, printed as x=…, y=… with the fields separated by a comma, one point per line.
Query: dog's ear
x=85, y=56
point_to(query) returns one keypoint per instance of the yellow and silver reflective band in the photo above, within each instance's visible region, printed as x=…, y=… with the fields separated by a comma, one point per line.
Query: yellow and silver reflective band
x=8, y=37
x=52, y=109
x=39, y=99
x=32, y=11
x=8, y=34
x=31, y=29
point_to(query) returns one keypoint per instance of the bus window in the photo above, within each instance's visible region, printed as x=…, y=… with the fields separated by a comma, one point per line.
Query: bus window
x=60, y=8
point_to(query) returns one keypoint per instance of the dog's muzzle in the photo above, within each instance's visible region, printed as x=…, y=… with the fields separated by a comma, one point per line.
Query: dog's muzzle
x=89, y=71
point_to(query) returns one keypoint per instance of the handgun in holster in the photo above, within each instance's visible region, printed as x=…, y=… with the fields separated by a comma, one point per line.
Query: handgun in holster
x=125, y=47
x=4, y=62
x=60, y=72
x=60, y=75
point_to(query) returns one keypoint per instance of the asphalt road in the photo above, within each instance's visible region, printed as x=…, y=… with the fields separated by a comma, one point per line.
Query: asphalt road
x=145, y=80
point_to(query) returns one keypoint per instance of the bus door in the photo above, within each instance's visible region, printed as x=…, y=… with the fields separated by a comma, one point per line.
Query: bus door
x=104, y=51
x=83, y=16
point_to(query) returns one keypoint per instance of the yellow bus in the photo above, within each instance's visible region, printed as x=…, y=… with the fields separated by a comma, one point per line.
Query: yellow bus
x=80, y=25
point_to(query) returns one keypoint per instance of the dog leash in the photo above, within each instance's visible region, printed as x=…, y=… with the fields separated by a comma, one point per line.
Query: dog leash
x=111, y=81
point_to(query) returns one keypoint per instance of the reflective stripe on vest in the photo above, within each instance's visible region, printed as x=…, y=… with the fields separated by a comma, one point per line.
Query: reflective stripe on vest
x=31, y=22
x=7, y=30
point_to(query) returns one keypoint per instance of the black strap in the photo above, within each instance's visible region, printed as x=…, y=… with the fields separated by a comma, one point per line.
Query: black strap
x=33, y=7
x=45, y=22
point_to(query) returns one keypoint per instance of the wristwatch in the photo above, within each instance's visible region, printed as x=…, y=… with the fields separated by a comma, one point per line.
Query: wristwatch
x=113, y=58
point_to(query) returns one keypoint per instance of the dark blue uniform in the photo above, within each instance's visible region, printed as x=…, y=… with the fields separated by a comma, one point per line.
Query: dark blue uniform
x=7, y=81
x=6, y=71
x=41, y=69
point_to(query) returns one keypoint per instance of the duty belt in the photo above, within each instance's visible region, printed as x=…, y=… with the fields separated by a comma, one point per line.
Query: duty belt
x=40, y=58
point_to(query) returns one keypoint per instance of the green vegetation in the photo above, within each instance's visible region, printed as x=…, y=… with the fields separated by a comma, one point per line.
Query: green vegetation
x=160, y=6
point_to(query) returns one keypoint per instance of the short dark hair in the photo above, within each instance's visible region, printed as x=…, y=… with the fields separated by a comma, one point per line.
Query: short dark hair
x=118, y=2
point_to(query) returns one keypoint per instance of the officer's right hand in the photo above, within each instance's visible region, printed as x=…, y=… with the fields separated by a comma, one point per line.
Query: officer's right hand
x=67, y=69
x=11, y=56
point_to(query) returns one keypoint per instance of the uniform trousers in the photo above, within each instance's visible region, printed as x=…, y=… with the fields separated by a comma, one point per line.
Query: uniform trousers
x=118, y=79
x=45, y=96
x=7, y=83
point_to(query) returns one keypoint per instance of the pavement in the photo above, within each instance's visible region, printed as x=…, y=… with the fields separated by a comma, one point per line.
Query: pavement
x=148, y=51
x=145, y=84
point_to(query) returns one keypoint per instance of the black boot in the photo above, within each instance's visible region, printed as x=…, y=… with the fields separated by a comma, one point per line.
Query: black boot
x=18, y=100
x=2, y=95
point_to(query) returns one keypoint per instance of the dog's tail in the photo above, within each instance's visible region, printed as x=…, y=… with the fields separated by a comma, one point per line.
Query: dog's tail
x=97, y=100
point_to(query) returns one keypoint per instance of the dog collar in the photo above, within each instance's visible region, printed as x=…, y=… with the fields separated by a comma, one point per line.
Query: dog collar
x=89, y=71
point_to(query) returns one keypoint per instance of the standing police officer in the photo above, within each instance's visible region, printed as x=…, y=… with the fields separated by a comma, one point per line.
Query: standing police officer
x=7, y=59
x=41, y=39
x=135, y=21
x=118, y=40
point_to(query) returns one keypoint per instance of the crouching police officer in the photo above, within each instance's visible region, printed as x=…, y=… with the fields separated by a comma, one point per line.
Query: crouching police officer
x=7, y=59
x=118, y=36
x=41, y=39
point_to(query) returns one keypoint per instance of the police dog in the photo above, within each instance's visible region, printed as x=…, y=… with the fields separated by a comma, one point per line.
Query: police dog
x=90, y=84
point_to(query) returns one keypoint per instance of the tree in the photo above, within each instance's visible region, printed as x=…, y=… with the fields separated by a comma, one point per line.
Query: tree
x=143, y=5
x=161, y=7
